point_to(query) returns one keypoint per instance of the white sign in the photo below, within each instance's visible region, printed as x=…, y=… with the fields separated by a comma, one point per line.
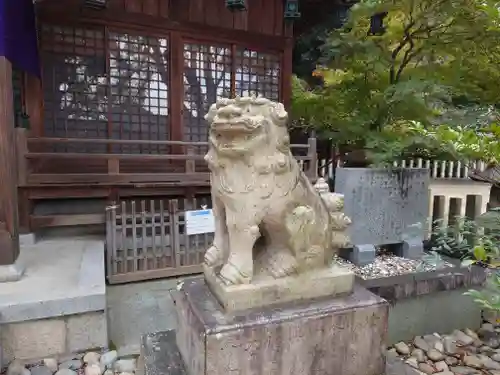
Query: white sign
x=199, y=222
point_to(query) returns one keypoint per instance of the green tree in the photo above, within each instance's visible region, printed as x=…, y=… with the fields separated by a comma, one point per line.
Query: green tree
x=429, y=61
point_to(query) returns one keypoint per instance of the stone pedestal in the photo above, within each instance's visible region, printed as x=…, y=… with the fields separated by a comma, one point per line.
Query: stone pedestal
x=265, y=291
x=331, y=336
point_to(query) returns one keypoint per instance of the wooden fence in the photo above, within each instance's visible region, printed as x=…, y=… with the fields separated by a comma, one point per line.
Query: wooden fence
x=148, y=240
x=438, y=169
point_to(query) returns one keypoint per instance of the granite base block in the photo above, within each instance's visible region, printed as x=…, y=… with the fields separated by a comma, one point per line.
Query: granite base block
x=160, y=356
x=341, y=335
x=331, y=281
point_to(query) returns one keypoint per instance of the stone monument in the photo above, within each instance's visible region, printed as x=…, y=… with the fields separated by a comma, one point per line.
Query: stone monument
x=272, y=300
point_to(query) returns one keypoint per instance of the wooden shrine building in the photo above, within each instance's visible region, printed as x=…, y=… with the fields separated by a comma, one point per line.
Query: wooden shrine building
x=117, y=109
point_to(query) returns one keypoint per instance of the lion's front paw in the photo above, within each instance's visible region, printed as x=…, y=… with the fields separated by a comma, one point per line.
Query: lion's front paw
x=213, y=256
x=282, y=264
x=232, y=275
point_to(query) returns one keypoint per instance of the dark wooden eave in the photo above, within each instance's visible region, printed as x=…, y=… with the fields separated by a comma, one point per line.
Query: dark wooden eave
x=490, y=175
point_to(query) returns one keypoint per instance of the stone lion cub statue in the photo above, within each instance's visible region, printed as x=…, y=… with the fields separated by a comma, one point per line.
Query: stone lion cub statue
x=269, y=220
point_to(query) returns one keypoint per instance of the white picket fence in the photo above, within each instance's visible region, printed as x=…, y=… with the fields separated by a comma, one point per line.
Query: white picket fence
x=444, y=168
x=438, y=169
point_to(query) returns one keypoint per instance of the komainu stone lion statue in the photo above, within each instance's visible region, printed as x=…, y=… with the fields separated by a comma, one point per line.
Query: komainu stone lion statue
x=269, y=219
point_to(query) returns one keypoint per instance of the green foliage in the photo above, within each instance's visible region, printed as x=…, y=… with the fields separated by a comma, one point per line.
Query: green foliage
x=488, y=299
x=456, y=241
x=488, y=250
x=463, y=143
x=484, y=250
x=375, y=88
x=431, y=258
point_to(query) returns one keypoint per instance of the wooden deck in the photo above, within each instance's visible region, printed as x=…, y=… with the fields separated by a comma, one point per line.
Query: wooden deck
x=62, y=168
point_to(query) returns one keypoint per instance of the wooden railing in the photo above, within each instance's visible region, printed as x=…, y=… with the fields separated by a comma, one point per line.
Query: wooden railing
x=39, y=165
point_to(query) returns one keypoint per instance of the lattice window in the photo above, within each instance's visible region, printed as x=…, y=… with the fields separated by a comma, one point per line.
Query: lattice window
x=94, y=90
x=208, y=73
x=139, y=89
x=74, y=79
x=257, y=73
x=207, y=76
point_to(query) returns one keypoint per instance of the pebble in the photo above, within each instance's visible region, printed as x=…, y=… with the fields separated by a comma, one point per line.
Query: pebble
x=73, y=364
x=461, y=370
x=17, y=368
x=493, y=343
x=125, y=365
x=91, y=358
x=418, y=354
x=477, y=343
x=431, y=340
x=94, y=363
x=450, y=347
x=435, y=355
x=441, y=366
x=472, y=361
x=469, y=349
x=485, y=348
x=93, y=370
x=469, y=332
x=451, y=361
x=41, y=370
x=489, y=363
x=402, y=348
x=487, y=331
x=462, y=337
x=461, y=353
x=109, y=358
x=65, y=371
x=426, y=368
x=420, y=343
x=412, y=361
x=439, y=346
x=51, y=364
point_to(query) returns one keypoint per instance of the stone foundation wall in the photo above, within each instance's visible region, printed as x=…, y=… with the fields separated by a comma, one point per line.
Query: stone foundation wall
x=35, y=339
x=429, y=302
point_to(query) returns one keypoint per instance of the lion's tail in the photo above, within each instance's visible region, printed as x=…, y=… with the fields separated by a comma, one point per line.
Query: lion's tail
x=339, y=221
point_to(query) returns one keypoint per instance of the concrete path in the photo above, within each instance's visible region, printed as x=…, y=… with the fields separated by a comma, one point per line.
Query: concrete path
x=137, y=309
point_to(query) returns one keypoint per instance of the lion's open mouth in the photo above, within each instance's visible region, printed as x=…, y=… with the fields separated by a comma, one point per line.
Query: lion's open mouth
x=235, y=125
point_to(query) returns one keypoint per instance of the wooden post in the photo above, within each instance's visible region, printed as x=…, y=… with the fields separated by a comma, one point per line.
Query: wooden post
x=313, y=159
x=286, y=67
x=9, y=231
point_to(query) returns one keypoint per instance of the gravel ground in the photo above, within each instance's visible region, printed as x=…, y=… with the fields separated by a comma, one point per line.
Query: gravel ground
x=464, y=352
x=387, y=264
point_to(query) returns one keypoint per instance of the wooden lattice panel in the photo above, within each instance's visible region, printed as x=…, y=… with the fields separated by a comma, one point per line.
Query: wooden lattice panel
x=138, y=82
x=257, y=73
x=211, y=72
x=108, y=83
x=74, y=81
x=207, y=76
x=147, y=239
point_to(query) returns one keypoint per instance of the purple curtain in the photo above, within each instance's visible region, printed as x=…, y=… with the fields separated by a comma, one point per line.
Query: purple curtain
x=18, y=39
